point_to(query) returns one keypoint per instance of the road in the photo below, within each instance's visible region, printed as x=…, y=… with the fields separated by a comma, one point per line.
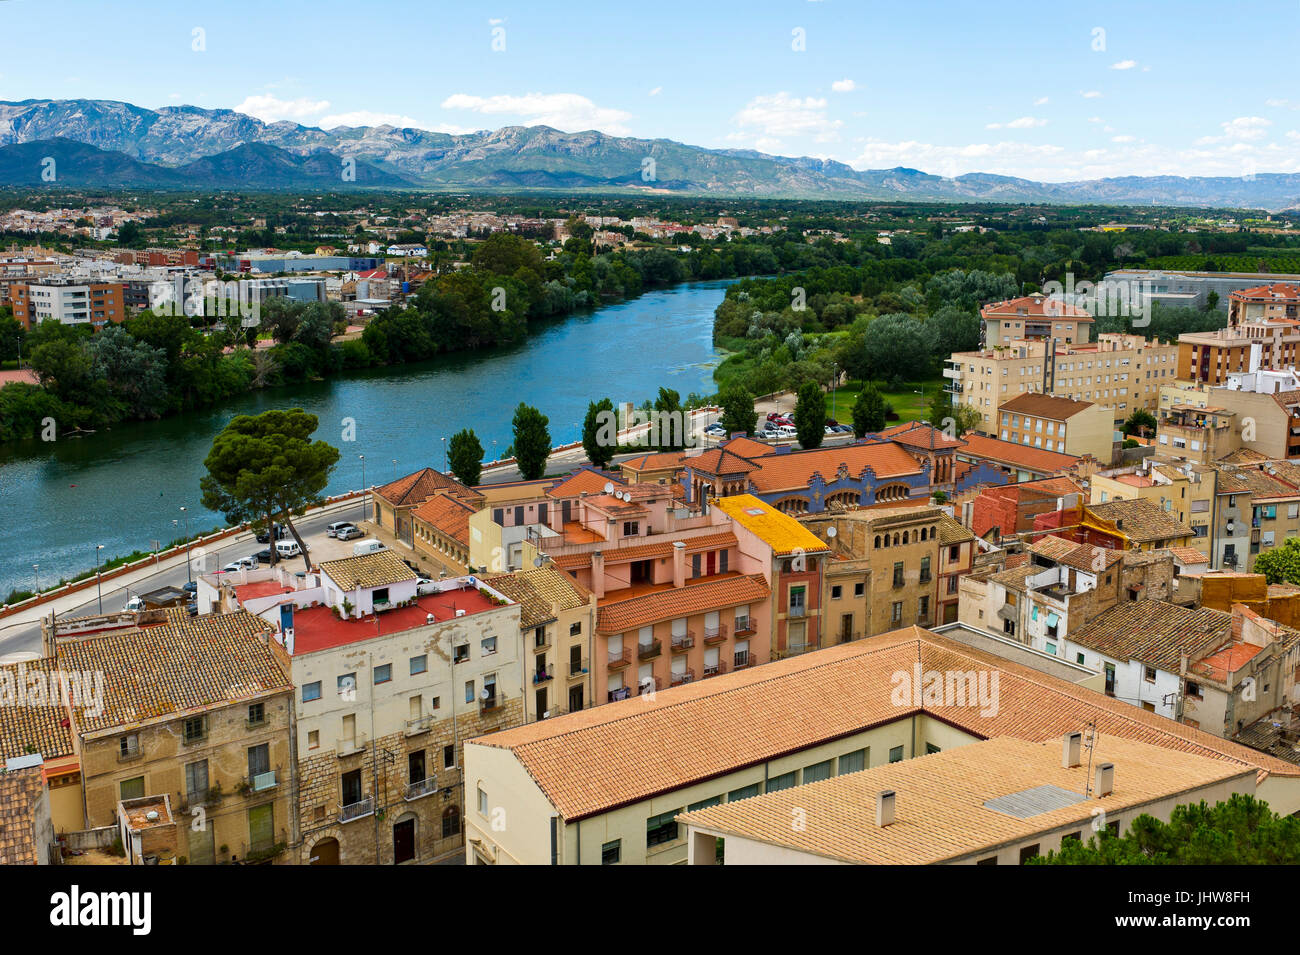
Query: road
x=21, y=634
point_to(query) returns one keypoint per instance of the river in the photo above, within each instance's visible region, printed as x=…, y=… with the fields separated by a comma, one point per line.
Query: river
x=124, y=487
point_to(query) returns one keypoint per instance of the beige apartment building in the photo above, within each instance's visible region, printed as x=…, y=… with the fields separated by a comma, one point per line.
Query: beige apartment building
x=1119, y=372
x=1058, y=424
x=1183, y=490
x=1035, y=317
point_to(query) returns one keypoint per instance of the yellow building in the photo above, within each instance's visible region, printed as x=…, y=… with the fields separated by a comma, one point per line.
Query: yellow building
x=1182, y=490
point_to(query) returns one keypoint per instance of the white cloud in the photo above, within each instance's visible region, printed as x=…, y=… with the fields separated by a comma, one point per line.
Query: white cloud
x=567, y=111
x=1124, y=65
x=772, y=118
x=1041, y=101
x=1123, y=139
x=1246, y=127
x=270, y=109
x=845, y=85
x=656, y=91
x=1089, y=94
x=1024, y=122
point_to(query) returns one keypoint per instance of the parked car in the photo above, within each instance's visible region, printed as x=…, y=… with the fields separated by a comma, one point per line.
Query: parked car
x=773, y=415
x=280, y=531
x=830, y=430
x=334, y=529
x=371, y=546
x=250, y=562
x=263, y=556
x=287, y=548
x=350, y=532
x=134, y=605
x=788, y=431
x=769, y=433
x=844, y=429
x=193, y=608
x=425, y=586
x=190, y=587
x=715, y=429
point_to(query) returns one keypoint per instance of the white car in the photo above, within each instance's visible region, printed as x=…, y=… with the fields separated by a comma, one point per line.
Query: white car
x=425, y=586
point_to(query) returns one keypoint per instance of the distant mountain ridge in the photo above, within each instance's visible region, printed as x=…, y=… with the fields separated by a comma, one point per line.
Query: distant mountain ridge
x=191, y=147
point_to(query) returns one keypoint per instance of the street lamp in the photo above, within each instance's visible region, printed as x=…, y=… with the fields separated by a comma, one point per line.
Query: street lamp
x=36, y=569
x=446, y=465
x=99, y=586
x=835, y=384
x=189, y=571
x=394, y=469
x=365, y=493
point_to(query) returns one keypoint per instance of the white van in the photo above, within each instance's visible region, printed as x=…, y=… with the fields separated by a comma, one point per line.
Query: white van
x=368, y=546
x=787, y=431
x=287, y=548
x=333, y=529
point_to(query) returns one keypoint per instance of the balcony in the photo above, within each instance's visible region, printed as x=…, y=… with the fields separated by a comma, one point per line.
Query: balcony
x=622, y=693
x=357, y=810
x=715, y=669
x=620, y=658
x=648, y=651
x=131, y=754
x=744, y=660
x=850, y=636
x=683, y=641
x=744, y=626
x=551, y=712
x=683, y=677
x=421, y=789
x=953, y=387
x=797, y=610
x=715, y=635
x=421, y=725
x=798, y=649
x=578, y=669
x=492, y=704
x=347, y=747
x=649, y=685
x=543, y=674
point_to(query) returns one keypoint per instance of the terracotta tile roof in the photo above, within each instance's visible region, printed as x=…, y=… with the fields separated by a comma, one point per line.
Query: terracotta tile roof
x=783, y=472
x=1140, y=520
x=172, y=670
x=719, y=461
x=584, y=479
x=31, y=727
x=1272, y=292
x=1037, y=306
x=381, y=569
x=953, y=532
x=1079, y=556
x=420, y=486
x=1286, y=400
x=1154, y=632
x=655, y=461
x=1045, y=406
x=20, y=791
x=781, y=532
x=1243, y=456
x=1018, y=455
x=448, y=515
x=621, y=753
x=748, y=447
x=918, y=434
x=942, y=809
x=1188, y=555
x=542, y=593
x=714, y=593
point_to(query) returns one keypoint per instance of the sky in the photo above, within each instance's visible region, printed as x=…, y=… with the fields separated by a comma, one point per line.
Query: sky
x=1042, y=90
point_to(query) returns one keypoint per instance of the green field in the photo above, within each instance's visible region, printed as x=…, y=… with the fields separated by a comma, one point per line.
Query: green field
x=909, y=405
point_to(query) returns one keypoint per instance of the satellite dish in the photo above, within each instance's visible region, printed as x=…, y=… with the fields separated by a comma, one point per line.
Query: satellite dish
x=609, y=487
x=484, y=694
x=831, y=532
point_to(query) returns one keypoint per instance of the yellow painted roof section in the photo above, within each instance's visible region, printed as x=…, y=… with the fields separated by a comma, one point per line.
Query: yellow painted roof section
x=781, y=532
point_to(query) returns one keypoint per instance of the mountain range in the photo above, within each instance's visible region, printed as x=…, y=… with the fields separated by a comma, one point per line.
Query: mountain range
x=106, y=143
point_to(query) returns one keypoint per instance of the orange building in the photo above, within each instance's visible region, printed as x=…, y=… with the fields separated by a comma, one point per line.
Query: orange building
x=94, y=303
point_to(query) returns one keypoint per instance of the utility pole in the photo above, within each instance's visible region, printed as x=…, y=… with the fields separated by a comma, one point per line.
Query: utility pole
x=99, y=581
x=365, y=493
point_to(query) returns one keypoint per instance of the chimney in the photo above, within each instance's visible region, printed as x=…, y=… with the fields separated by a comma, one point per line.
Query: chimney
x=886, y=802
x=598, y=574
x=1105, y=784
x=679, y=563
x=1070, y=751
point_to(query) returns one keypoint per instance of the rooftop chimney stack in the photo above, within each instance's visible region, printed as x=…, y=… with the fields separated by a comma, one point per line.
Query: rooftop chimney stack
x=1070, y=752
x=1105, y=780
x=886, y=802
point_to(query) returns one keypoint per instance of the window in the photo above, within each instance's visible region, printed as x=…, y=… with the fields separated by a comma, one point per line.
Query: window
x=347, y=685
x=859, y=589
x=745, y=792
x=256, y=714
x=575, y=629
x=631, y=528
x=420, y=664
x=539, y=637
x=896, y=612
x=991, y=860
x=128, y=746
x=259, y=759
x=925, y=570
x=898, y=574
x=661, y=828
x=384, y=673
x=311, y=691
x=931, y=748
x=132, y=788
x=784, y=781
x=817, y=772
x=461, y=653
x=705, y=804
x=196, y=780
x=836, y=591
x=482, y=802
x=1193, y=690
x=1149, y=674
x=450, y=821
x=923, y=608
x=611, y=852
x=1078, y=658
x=469, y=691
x=896, y=754
x=449, y=757
x=1028, y=852
x=1076, y=836
x=488, y=646
x=853, y=762
x=196, y=729
x=313, y=739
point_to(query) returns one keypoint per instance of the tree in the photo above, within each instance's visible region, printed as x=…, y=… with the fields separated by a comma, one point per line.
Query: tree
x=868, y=411
x=465, y=457
x=1141, y=422
x=897, y=345
x=738, y=413
x=670, y=422
x=810, y=415
x=12, y=336
x=595, y=432
x=1281, y=565
x=532, y=442
x=1241, y=831
x=263, y=467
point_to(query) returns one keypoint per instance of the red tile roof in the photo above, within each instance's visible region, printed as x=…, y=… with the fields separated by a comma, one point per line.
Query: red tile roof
x=448, y=515
x=420, y=486
x=584, y=479
x=918, y=434
x=781, y=472
x=713, y=593
x=1019, y=455
x=1036, y=306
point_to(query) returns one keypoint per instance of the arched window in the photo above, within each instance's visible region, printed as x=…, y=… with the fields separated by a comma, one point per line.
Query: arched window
x=877, y=542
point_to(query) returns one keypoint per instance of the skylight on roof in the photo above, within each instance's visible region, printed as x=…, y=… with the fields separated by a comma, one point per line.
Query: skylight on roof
x=755, y=511
x=1031, y=802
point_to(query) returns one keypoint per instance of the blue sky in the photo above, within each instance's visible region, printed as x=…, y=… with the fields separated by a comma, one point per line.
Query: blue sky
x=1044, y=90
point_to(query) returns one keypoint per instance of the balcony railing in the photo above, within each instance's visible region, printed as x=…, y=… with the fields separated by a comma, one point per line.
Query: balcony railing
x=130, y=754
x=744, y=626
x=744, y=660
x=683, y=641
x=715, y=669
x=649, y=685
x=797, y=610
x=578, y=668
x=491, y=704
x=262, y=782
x=543, y=674
x=346, y=747
x=423, y=788
x=683, y=676
x=797, y=649
x=620, y=658
x=646, y=651
x=622, y=693
x=357, y=810
x=419, y=725
x=713, y=635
